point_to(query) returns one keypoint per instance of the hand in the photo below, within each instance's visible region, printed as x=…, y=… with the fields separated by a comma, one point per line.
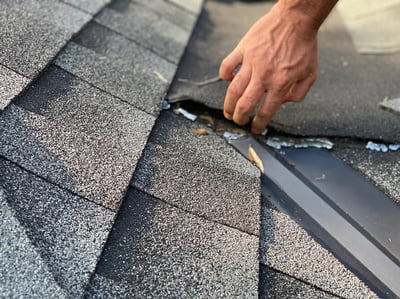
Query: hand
x=278, y=63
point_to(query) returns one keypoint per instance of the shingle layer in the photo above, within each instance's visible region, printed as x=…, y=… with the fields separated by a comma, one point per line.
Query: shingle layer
x=66, y=231
x=99, y=138
x=156, y=250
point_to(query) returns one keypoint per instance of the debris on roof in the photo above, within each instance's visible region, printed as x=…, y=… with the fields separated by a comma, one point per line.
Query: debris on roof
x=380, y=147
x=279, y=142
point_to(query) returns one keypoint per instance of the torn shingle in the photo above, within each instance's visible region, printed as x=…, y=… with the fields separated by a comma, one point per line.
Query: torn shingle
x=75, y=136
x=142, y=25
x=11, y=84
x=31, y=38
x=201, y=174
x=90, y=6
x=288, y=248
x=156, y=250
x=23, y=272
x=67, y=231
x=119, y=66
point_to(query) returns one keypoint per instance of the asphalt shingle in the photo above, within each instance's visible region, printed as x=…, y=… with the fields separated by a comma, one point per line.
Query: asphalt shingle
x=90, y=6
x=201, y=174
x=274, y=284
x=171, y=12
x=99, y=138
x=67, y=231
x=144, y=26
x=382, y=169
x=23, y=272
x=118, y=66
x=32, y=37
x=11, y=84
x=156, y=250
x=193, y=6
x=347, y=93
x=288, y=248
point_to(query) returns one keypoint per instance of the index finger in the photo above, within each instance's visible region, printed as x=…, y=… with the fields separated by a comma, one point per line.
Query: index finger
x=229, y=64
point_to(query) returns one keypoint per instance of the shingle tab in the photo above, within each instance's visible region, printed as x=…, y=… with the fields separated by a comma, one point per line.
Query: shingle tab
x=159, y=251
x=193, y=6
x=147, y=28
x=119, y=66
x=31, y=38
x=90, y=6
x=171, y=13
x=288, y=248
x=23, y=272
x=202, y=174
x=67, y=231
x=383, y=169
x=11, y=84
x=76, y=136
x=274, y=284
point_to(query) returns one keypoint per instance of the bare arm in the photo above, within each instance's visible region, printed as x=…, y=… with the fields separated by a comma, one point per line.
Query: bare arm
x=278, y=59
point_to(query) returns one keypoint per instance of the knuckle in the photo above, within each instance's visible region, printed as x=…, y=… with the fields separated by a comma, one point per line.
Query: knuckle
x=279, y=83
x=234, y=89
x=263, y=114
x=244, y=106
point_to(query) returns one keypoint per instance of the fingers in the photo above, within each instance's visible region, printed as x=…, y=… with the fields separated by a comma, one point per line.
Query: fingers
x=266, y=111
x=247, y=102
x=235, y=91
x=300, y=89
x=229, y=64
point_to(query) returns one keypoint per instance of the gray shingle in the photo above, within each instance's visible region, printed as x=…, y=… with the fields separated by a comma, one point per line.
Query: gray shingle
x=23, y=272
x=67, y=231
x=274, y=284
x=170, y=12
x=32, y=37
x=90, y=6
x=193, y=6
x=158, y=251
x=288, y=248
x=11, y=84
x=119, y=66
x=76, y=136
x=201, y=174
x=147, y=28
x=382, y=169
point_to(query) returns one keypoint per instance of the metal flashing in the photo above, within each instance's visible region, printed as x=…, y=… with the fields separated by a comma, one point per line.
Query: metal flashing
x=338, y=207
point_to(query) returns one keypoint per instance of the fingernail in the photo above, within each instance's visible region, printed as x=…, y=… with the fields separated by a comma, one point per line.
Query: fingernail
x=228, y=115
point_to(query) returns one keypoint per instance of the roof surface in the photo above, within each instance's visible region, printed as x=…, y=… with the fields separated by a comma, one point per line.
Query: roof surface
x=104, y=195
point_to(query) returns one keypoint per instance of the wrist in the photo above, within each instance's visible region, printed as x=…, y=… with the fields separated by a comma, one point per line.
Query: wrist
x=306, y=15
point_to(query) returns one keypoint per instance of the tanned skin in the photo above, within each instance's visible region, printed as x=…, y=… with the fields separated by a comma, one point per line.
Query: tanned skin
x=278, y=61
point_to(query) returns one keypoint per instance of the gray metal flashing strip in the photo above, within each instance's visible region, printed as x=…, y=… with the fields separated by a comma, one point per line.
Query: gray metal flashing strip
x=330, y=215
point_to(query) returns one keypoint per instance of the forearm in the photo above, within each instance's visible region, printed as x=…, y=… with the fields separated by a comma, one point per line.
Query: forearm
x=309, y=13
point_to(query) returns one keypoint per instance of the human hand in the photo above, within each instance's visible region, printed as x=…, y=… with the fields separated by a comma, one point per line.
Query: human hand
x=278, y=63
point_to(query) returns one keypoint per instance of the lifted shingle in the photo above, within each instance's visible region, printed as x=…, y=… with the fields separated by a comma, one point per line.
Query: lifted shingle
x=158, y=251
